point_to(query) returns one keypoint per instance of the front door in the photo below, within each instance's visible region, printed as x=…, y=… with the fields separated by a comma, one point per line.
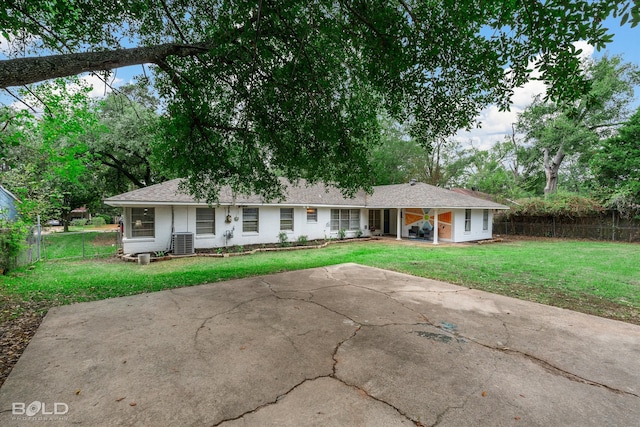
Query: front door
x=386, y=221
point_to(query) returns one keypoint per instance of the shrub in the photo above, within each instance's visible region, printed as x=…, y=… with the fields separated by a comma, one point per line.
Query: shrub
x=558, y=205
x=283, y=239
x=12, y=239
x=98, y=221
x=303, y=240
x=359, y=233
x=342, y=233
x=78, y=222
x=108, y=219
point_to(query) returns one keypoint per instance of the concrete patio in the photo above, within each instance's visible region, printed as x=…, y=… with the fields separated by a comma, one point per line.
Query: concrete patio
x=345, y=346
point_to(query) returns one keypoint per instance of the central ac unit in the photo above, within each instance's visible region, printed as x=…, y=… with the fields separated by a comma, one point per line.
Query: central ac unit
x=182, y=243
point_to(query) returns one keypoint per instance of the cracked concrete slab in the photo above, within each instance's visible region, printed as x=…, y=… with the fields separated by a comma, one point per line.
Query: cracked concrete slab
x=342, y=345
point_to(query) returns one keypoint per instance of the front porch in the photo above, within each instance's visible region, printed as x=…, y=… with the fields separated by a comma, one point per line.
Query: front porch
x=423, y=224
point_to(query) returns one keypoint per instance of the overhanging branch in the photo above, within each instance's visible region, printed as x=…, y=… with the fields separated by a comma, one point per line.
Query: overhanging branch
x=22, y=71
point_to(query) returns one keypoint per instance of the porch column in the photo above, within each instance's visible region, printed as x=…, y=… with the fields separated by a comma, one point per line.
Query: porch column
x=435, y=226
x=399, y=222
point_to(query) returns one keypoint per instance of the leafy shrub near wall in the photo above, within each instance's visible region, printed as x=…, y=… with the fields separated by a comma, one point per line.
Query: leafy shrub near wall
x=12, y=239
x=78, y=222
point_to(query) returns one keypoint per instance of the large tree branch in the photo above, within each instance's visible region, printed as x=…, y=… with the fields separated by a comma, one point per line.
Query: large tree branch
x=22, y=71
x=123, y=169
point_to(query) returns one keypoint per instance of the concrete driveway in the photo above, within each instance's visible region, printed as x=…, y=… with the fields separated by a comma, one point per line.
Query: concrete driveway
x=338, y=346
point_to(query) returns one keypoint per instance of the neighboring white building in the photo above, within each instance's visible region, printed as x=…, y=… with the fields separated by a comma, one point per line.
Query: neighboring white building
x=162, y=218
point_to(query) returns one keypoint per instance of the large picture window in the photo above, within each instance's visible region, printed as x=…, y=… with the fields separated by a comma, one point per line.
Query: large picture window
x=205, y=221
x=143, y=222
x=286, y=219
x=250, y=220
x=348, y=219
x=467, y=220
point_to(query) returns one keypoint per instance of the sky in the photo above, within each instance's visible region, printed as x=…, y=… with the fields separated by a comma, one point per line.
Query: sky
x=496, y=124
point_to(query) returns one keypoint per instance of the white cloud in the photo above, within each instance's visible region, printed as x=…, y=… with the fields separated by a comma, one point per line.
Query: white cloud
x=496, y=124
x=98, y=85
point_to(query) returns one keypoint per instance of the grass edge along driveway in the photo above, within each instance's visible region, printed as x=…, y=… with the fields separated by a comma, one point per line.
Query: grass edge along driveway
x=599, y=278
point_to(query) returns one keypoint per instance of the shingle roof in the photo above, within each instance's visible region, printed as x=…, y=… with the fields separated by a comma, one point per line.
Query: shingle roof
x=303, y=194
x=384, y=196
x=420, y=195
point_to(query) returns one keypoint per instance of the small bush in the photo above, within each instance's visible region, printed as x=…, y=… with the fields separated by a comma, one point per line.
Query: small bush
x=303, y=240
x=78, y=222
x=283, y=239
x=342, y=233
x=98, y=221
x=108, y=219
x=359, y=233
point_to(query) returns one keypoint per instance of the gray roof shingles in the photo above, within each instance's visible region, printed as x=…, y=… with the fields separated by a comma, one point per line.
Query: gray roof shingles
x=384, y=196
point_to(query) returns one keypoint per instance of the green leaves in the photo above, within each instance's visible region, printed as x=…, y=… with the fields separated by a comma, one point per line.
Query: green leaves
x=293, y=88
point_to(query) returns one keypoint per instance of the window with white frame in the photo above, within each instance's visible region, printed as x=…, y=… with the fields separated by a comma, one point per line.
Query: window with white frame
x=286, y=219
x=485, y=219
x=205, y=221
x=250, y=220
x=143, y=222
x=312, y=214
x=347, y=219
x=467, y=220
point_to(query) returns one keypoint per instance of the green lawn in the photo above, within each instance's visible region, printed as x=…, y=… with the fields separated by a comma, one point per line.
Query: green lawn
x=593, y=277
x=78, y=245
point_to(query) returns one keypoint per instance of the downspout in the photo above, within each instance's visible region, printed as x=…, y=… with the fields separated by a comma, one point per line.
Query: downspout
x=435, y=226
x=172, y=230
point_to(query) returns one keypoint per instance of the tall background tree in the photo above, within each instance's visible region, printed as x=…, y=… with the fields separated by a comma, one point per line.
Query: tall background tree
x=123, y=145
x=252, y=91
x=557, y=130
x=616, y=168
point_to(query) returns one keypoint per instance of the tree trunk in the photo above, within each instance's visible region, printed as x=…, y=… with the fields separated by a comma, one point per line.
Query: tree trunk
x=551, y=168
x=22, y=71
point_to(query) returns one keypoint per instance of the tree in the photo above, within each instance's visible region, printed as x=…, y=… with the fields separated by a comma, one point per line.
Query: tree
x=295, y=87
x=560, y=129
x=616, y=165
x=124, y=142
x=398, y=158
x=486, y=171
x=50, y=169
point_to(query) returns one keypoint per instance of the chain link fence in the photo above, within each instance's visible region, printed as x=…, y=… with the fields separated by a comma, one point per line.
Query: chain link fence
x=43, y=245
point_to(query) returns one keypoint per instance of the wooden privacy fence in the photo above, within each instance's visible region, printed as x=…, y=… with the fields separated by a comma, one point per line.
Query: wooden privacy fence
x=605, y=227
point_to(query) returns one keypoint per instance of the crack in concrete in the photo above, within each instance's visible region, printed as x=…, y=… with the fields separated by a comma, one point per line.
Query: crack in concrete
x=209, y=318
x=546, y=365
x=554, y=369
x=359, y=326
x=333, y=375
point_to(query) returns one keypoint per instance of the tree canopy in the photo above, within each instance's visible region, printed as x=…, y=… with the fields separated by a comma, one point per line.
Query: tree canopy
x=557, y=130
x=616, y=165
x=289, y=88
